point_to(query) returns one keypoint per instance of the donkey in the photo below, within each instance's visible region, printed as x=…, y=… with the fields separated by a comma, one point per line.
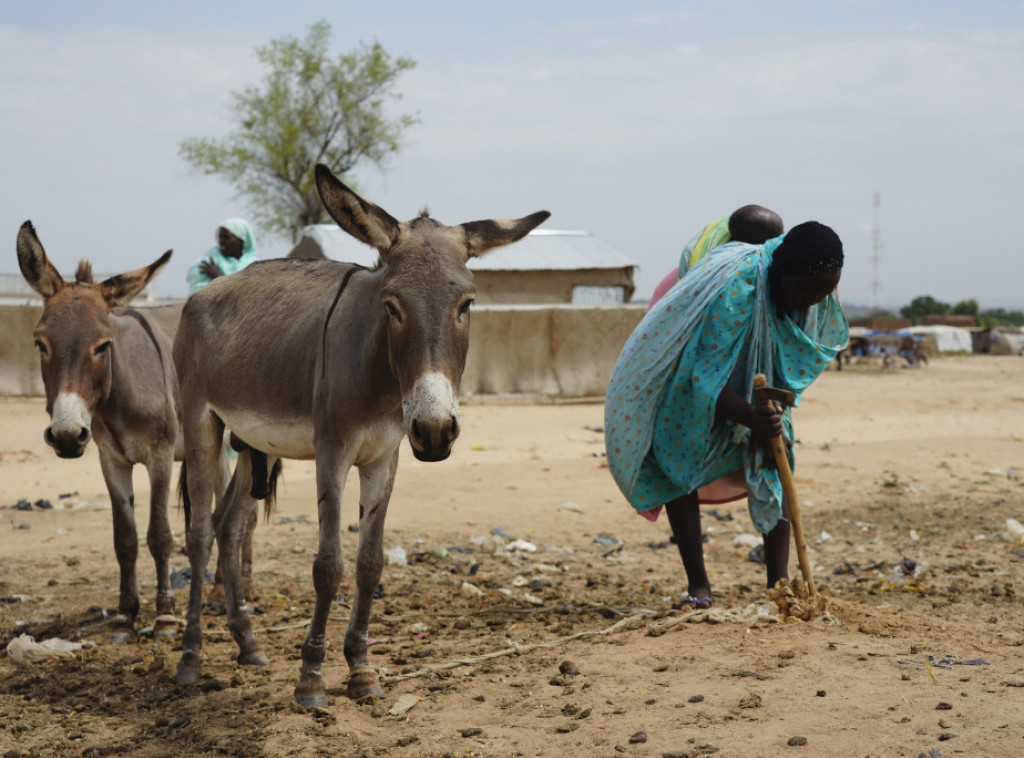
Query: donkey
x=349, y=360
x=108, y=376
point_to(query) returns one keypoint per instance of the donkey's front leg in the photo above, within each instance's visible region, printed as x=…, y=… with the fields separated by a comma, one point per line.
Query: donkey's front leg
x=159, y=539
x=118, y=477
x=202, y=445
x=375, y=484
x=327, y=570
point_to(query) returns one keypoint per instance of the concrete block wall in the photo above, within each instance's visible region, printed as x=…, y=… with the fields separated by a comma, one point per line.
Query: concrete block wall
x=550, y=350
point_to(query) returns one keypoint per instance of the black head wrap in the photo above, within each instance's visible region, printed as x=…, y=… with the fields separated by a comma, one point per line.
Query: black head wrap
x=808, y=249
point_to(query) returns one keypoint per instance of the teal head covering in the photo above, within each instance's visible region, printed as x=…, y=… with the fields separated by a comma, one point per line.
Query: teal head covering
x=241, y=229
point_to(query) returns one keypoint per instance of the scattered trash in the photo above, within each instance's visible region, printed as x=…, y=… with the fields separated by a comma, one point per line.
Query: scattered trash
x=181, y=578
x=719, y=515
x=914, y=535
x=502, y=532
x=404, y=704
x=606, y=541
x=746, y=540
x=825, y=537
x=24, y=649
x=521, y=546
x=1014, y=531
x=470, y=590
x=44, y=505
x=354, y=528
x=571, y=506
x=532, y=599
x=439, y=552
x=756, y=554
x=22, y=505
x=396, y=556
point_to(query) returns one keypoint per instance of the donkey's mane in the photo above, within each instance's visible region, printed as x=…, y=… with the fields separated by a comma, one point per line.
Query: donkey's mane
x=84, y=273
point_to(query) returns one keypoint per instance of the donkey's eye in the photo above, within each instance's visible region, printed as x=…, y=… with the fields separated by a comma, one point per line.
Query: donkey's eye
x=41, y=347
x=101, y=348
x=464, y=308
x=393, y=311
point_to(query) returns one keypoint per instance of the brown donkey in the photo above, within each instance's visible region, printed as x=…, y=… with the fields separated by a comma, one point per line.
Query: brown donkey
x=348, y=361
x=110, y=377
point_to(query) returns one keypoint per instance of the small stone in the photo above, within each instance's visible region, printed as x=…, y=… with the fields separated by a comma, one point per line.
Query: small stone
x=945, y=724
x=472, y=731
x=821, y=693
x=787, y=655
x=568, y=668
x=584, y=713
x=752, y=700
x=637, y=738
x=696, y=699
x=412, y=739
x=212, y=685
x=797, y=741
x=944, y=707
x=566, y=728
x=570, y=710
x=946, y=736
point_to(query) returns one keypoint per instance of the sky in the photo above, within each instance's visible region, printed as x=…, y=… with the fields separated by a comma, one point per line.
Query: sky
x=636, y=121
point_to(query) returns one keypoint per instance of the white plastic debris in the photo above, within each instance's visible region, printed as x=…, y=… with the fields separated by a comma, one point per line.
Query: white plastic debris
x=470, y=590
x=571, y=506
x=825, y=537
x=396, y=556
x=1014, y=531
x=914, y=535
x=521, y=546
x=746, y=540
x=24, y=649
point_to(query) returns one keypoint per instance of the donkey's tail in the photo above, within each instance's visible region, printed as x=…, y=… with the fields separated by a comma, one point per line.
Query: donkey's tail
x=183, y=501
x=270, y=501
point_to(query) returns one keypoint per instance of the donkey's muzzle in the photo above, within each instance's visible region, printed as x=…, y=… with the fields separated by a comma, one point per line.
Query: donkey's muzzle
x=432, y=440
x=68, y=443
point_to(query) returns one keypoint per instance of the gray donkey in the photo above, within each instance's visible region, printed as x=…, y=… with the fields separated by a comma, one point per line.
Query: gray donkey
x=320, y=359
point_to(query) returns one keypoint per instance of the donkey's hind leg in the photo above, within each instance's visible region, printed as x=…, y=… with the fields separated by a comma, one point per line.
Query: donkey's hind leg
x=203, y=433
x=235, y=514
x=158, y=537
x=118, y=477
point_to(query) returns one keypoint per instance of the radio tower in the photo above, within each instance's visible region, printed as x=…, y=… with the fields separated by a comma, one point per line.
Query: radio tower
x=876, y=259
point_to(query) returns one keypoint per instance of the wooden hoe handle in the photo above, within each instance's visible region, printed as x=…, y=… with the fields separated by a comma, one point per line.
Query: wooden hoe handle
x=789, y=490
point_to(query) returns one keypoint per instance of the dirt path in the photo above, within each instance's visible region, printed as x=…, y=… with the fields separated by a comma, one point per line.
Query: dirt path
x=907, y=480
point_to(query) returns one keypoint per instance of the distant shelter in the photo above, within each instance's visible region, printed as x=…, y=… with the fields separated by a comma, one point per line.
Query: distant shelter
x=545, y=267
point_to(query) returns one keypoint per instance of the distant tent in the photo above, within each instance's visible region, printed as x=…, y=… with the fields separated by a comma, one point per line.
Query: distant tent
x=946, y=339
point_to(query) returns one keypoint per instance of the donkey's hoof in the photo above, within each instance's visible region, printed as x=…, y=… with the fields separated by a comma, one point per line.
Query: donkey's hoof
x=310, y=692
x=364, y=684
x=255, y=658
x=188, y=669
x=121, y=635
x=164, y=627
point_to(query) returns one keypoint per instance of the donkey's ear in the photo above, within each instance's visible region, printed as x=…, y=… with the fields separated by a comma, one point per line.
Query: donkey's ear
x=482, y=236
x=121, y=289
x=40, y=274
x=360, y=218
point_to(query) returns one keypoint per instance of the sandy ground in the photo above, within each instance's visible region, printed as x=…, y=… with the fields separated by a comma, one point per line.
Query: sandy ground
x=907, y=479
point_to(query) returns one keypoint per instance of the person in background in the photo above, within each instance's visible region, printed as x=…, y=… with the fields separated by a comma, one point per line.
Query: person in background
x=236, y=249
x=751, y=223
x=680, y=418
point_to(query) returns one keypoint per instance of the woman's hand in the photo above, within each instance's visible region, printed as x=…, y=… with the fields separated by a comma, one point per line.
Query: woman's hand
x=211, y=269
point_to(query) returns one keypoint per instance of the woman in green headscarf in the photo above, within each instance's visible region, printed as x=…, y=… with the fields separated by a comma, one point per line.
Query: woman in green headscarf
x=236, y=249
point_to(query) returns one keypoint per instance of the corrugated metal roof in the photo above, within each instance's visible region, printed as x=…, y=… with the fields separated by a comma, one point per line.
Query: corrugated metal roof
x=541, y=249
